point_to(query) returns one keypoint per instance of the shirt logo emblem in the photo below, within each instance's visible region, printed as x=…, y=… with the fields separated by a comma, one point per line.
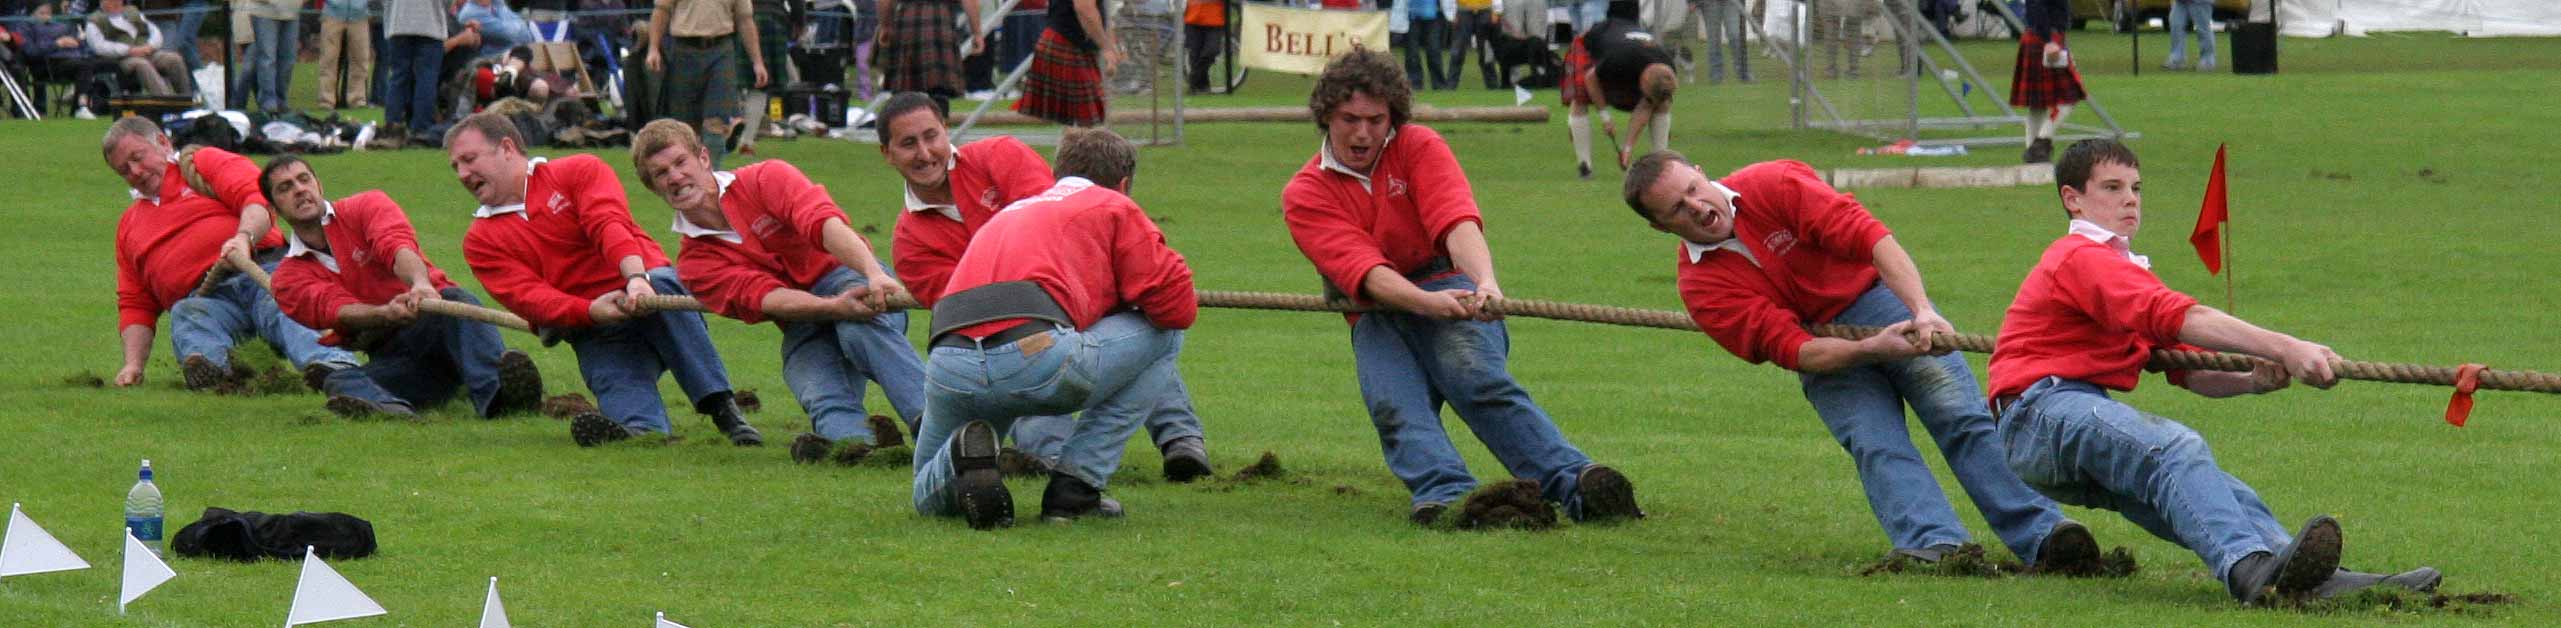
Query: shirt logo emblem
x=1395, y=186
x=987, y=197
x=765, y=227
x=1779, y=243
x=361, y=256
x=559, y=203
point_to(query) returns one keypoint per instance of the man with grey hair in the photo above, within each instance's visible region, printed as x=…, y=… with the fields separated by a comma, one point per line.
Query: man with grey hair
x=189, y=211
x=1075, y=279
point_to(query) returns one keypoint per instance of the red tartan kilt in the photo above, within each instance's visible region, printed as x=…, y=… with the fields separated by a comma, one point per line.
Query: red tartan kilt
x=1065, y=84
x=1578, y=62
x=922, y=53
x=2036, y=86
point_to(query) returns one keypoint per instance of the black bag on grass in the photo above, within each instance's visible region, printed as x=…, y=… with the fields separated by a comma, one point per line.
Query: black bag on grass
x=249, y=536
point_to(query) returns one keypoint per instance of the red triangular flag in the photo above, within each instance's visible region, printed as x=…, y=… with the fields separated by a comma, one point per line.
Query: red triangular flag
x=2210, y=219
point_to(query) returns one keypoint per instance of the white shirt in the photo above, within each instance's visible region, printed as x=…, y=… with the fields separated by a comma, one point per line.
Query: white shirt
x=1734, y=244
x=295, y=248
x=518, y=207
x=1325, y=156
x=688, y=229
x=948, y=210
x=2101, y=235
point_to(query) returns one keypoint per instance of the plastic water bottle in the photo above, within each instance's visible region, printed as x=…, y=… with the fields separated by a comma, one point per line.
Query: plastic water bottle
x=142, y=512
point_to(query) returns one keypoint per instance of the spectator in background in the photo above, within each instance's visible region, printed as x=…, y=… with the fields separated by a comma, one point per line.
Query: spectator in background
x=2044, y=81
x=691, y=41
x=52, y=48
x=267, y=73
x=413, y=49
x=345, y=26
x=1204, y=37
x=499, y=27
x=2186, y=15
x=1065, y=84
x=120, y=33
x=189, y=25
x=920, y=47
x=775, y=21
x=1021, y=34
x=1472, y=29
x=1724, y=19
x=1427, y=35
x=977, y=67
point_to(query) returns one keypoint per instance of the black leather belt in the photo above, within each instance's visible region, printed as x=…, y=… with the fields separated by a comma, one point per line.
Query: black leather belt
x=1007, y=336
x=701, y=42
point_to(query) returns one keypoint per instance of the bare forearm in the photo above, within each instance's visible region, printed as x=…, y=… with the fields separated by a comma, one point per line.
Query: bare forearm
x=2211, y=328
x=848, y=248
x=1089, y=14
x=794, y=305
x=2219, y=384
x=137, y=344
x=409, y=267
x=361, y=316
x=631, y=265
x=1894, y=267
x=658, y=25
x=1469, y=252
x=1825, y=355
x=1383, y=285
x=255, y=221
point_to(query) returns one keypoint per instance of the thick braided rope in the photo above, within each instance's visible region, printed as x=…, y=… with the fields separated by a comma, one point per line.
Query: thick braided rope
x=501, y=318
x=2163, y=359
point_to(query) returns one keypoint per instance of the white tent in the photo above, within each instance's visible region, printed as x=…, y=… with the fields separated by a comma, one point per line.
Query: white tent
x=2472, y=18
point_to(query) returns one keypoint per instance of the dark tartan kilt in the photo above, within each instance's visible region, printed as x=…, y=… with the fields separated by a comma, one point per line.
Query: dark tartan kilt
x=1578, y=62
x=2036, y=86
x=924, y=49
x=1065, y=84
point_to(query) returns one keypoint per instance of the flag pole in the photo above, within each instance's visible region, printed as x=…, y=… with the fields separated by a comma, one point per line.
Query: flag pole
x=2226, y=233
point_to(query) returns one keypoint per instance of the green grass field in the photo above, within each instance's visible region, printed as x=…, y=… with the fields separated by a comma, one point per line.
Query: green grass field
x=2389, y=200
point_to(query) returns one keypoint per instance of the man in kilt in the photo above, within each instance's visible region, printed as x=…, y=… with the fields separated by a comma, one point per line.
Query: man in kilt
x=1065, y=84
x=700, y=62
x=2045, y=81
x=919, y=50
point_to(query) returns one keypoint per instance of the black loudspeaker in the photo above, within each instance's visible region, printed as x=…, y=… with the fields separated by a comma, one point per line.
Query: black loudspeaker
x=2254, y=48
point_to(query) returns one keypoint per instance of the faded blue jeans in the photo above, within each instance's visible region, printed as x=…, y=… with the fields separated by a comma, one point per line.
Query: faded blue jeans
x=2076, y=445
x=2186, y=15
x=269, y=67
x=1863, y=408
x=1115, y=371
x=1410, y=366
x=422, y=363
x=208, y=325
x=621, y=362
x=826, y=363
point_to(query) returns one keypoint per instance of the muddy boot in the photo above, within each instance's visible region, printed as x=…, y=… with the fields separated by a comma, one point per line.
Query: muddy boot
x=355, y=408
x=1069, y=499
x=1607, y=495
x=519, y=385
x=316, y=374
x=2343, y=582
x=884, y=432
x=2068, y=550
x=1186, y=459
x=592, y=429
x=810, y=448
x=984, y=502
x=723, y=409
x=1427, y=515
x=2292, y=572
x=201, y=375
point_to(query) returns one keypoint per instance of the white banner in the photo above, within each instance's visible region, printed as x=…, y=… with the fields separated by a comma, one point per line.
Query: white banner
x=1300, y=41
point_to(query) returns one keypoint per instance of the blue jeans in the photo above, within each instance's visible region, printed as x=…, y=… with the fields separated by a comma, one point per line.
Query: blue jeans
x=1725, y=29
x=2197, y=15
x=1863, y=407
x=826, y=362
x=1115, y=371
x=1409, y=366
x=2076, y=445
x=621, y=362
x=422, y=363
x=1584, y=14
x=207, y=326
x=1171, y=419
x=270, y=64
x=183, y=38
x=409, y=97
x=1426, y=42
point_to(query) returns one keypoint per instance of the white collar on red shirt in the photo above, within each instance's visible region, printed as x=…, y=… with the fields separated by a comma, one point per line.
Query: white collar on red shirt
x=2101, y=235
x=948, y=210
x=1698, y=251
x=688, y=229
x=295, y=248
x=137, y=194
x=1325, y=155
x=518, y=207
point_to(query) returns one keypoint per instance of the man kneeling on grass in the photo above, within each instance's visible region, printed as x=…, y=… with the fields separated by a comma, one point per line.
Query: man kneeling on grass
x=353, y=267
x=1066, y=301
x=1770, y=248
x=2085, y=321
x=764, y=242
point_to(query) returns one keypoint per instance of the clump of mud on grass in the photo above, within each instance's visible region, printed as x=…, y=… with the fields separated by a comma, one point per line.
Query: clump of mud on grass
x=1968, y=561
x=566, y=405
x=275, y=380
x=1267, y=468
x=2393, y=600
x=885, y=431
x=1515, y=504
x=891, y=457
x=747, y=400
x=84, y=379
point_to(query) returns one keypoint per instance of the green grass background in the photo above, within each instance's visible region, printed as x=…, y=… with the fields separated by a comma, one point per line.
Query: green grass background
x=1756, y=515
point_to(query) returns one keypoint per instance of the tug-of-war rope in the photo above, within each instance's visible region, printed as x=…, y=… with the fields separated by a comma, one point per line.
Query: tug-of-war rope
x=2464, y=379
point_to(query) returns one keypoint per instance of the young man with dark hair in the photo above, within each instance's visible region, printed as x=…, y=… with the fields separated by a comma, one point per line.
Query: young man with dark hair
x=172, y=236
x=1771, y=248
x=1620, y=64
x=353, y=267
x=1075, y=280
x=2085, y=322
x=1386, y=216
x=764, y=242
x=950, y=194
x=553, y=240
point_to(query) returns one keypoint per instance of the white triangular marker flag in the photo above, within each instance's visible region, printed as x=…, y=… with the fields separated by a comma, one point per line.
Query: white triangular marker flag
x=663, y=623
x=143, y=571
x=492, y=613
x=29, y=549
x=1521, y=95
x=323, y=595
